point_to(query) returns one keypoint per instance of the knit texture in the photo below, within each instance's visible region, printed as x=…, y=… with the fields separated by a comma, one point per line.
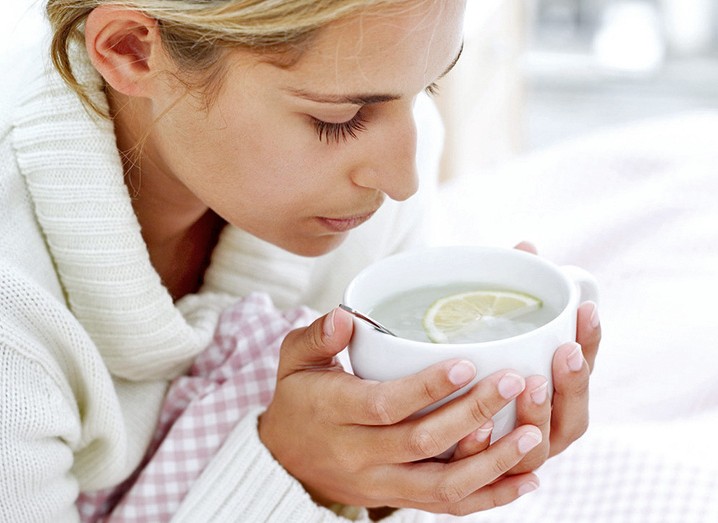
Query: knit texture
x=89, y=337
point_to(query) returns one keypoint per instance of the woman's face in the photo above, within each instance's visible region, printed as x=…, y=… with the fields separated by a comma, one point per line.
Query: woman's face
x=299, y=156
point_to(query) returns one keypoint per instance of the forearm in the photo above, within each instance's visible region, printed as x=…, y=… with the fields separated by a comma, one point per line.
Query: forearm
x=35, y=459
x=243, y=481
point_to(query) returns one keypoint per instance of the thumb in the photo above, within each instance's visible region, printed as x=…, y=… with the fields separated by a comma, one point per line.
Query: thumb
x=316, y=345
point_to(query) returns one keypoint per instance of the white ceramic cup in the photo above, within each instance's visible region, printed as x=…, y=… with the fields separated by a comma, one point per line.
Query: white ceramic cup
x=378, y=356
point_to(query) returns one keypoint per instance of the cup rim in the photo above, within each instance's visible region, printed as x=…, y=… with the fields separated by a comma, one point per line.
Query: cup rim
x=566, y=309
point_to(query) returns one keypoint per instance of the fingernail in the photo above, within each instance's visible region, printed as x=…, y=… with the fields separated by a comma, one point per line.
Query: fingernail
x=462, y=372
x=511, y=385
x=328, y=325
x=529, y=441
x=540, y=393
x=594, y=320
x=574, y=360
x=527, y=487
x=484, y=431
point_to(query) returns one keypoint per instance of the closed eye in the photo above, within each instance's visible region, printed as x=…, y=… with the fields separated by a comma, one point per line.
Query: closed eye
x=331, y=132
x=337, y=132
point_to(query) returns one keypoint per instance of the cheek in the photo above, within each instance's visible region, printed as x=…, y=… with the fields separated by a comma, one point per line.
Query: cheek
x=279, y=161
x=247, y=162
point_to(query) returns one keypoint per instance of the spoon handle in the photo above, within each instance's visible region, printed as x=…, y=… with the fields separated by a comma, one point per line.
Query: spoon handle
x=378, y=326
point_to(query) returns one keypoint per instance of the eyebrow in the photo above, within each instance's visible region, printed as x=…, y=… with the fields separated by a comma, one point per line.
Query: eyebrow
x=362, y=99
x=354, y=99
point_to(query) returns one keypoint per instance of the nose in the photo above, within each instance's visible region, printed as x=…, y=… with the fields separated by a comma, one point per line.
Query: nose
x=389, y=161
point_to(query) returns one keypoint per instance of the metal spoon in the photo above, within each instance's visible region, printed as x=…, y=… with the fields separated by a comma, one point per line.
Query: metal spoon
x=378, y=326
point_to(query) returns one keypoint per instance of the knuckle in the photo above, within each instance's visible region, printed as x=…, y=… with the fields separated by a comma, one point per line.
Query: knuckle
x=377, y=491
x=593, y=340
x=480, y=411
x=430, y=392
x=496, y=500
x=342, y=457
x=543, y=417
x=500, y=465
x=448, y=494
x=533, y=461
x=347, y=462
x=304, y=340
x=526, y=465
x=574, y=387
x=578, y=430
x=378, y=406
x=458, y=510
x=570, y=432
x=422, y=443
x=313, y=341
x=580, y=388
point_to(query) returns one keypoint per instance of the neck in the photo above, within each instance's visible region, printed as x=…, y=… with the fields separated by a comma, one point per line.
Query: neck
x=180, y=231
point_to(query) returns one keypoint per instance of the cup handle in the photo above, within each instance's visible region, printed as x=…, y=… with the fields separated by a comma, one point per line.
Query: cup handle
x=586, y=282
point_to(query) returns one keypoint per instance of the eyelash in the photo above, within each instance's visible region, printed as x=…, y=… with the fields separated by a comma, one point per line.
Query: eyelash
x=432, y=89
x=338, y=132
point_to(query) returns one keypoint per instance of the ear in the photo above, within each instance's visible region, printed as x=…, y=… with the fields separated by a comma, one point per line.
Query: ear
x=125, y=47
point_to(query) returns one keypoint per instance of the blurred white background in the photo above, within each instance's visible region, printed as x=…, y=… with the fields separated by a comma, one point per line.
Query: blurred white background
x=21, y=23
x=601, y=62
x=536, y=72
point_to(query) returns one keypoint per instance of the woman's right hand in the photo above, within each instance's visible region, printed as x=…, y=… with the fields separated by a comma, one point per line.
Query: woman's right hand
x=351, y=441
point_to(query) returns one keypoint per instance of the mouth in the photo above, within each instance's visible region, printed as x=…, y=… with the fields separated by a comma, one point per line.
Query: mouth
x=345, y=223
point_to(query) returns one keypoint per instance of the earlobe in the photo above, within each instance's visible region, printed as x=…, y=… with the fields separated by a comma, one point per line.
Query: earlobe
x=123, y=45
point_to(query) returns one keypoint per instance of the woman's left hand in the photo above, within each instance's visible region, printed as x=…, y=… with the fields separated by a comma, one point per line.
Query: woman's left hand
x=565, y=419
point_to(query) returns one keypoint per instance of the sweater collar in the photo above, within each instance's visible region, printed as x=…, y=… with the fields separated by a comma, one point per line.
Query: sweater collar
x=74, y=175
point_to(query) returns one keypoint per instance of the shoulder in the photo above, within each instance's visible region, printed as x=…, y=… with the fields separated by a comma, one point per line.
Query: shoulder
x=37, y=324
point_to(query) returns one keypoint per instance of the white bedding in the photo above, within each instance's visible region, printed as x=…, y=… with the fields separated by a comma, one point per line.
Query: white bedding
x=638, y=207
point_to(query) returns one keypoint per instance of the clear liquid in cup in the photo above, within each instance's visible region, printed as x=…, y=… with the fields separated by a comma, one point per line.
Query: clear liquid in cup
x=408, y=315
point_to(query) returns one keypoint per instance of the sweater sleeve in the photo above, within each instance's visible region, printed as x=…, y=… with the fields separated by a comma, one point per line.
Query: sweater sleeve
x=243, y=482
x=34, y=451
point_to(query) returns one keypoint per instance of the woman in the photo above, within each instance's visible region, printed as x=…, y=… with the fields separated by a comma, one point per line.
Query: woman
x=197, y=151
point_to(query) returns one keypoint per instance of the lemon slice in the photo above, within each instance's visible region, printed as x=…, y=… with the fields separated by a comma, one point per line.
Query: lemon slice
x=458, y=313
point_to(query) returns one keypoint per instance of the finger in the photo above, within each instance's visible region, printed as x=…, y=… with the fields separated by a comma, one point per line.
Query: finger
x=369, y=402
x=569, y=417
x=474, y=443
x=316, y=345
x=501, y=492
x=588, y=331
x=533, y=407
x=526, y=246
x=446, y=484
x=434, y=433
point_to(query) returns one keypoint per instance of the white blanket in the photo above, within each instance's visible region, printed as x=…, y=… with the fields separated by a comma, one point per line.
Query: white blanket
x=638, y=207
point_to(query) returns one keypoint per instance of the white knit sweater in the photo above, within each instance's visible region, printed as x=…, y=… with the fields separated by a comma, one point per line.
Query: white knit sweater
x=89, y=337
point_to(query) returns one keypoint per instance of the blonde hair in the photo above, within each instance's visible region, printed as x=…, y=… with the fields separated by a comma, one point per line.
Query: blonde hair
x=195, y=33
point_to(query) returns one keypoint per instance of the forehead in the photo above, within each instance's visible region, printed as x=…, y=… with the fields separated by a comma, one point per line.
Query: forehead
x=391, y=48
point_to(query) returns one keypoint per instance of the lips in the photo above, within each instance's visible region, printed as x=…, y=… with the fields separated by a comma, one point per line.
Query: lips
x=346, y=223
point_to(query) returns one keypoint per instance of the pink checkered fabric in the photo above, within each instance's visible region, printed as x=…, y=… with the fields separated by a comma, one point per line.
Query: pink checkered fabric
x=235, y=373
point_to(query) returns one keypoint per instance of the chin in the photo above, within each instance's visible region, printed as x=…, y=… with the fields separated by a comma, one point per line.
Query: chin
x=313, y=247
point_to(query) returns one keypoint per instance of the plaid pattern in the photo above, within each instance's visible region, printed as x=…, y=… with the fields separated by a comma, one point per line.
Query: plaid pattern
x=646, y=472
x=235, y=373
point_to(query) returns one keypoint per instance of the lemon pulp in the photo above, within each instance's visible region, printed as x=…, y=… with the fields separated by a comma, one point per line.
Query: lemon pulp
x=458, y=313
